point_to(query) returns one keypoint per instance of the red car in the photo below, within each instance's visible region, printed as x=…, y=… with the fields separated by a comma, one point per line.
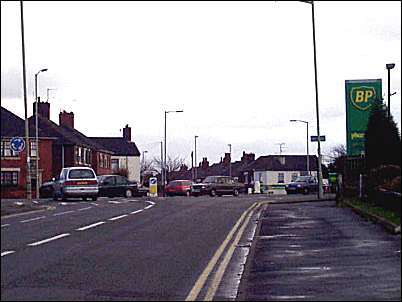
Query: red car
x=178, y=187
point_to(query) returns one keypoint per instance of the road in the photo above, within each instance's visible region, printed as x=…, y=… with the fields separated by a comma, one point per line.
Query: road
x=128, y=249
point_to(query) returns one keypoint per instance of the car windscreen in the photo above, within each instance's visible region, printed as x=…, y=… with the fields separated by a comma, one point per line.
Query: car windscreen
x=302, y=179
x=81, y=174
x=210, y=179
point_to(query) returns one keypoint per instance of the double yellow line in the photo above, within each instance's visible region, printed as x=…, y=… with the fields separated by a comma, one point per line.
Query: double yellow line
x=198, y=286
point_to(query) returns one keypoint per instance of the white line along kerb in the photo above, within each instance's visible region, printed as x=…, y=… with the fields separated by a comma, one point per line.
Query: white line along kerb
x=135, y=212
x=49, y=239
x=118, y=217
x=32, y=219
x=90, y=226
x=7, y=253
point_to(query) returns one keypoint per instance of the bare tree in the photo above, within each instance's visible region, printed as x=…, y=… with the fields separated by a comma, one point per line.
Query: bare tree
x=149, y=167
x=172, y=164
x=336, y=152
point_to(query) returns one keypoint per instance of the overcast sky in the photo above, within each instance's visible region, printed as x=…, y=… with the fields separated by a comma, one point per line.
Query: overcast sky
x=239, y=70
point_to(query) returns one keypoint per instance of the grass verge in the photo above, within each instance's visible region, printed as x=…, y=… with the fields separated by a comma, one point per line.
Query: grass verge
x=378, y=211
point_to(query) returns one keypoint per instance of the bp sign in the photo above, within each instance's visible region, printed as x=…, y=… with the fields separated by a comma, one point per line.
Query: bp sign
x=360, y=97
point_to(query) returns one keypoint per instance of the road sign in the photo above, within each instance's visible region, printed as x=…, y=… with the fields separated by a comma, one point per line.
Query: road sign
x=314, y=138
x=17, y=144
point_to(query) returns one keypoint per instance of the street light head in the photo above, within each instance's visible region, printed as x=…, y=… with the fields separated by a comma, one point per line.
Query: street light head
x=293, y=120
x=390, y=65
x=179, y=111
x=45, y=69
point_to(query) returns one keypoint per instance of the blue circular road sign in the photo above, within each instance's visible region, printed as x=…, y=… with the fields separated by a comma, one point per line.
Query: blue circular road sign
x=17, y=144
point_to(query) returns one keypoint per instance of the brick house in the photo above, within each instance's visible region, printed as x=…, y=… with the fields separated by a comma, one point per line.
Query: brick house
x=71, y=147
x=14, y=165
x=126, y=155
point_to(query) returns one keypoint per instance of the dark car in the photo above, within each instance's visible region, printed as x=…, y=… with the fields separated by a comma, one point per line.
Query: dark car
x=178, y=187
x=303, y=184
x=46, y=189
x=218, y=185
x=117, y=185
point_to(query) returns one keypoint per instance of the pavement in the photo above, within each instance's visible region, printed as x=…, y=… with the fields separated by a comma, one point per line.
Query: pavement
x=20, y=206
x=316, y=251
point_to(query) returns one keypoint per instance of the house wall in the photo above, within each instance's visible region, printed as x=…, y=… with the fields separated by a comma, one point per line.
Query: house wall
x=132, y=164
x=271, y=177
x=18, y=164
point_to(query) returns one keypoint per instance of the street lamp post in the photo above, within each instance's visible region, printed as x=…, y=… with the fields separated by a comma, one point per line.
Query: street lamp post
x=195, y=157
x=230, y=160
x=320, y=190
x=143, y=163
x=389, y=67
x=36, y=131
x=164, y=175
x=27, y=144
x=308, y=155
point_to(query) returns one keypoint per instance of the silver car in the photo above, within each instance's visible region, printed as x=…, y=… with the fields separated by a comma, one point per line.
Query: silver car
x=76, y=182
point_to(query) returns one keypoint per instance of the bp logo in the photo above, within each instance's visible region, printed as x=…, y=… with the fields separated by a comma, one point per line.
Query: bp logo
x=362, y=97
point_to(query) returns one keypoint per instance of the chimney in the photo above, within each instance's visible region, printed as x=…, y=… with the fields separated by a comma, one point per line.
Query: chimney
x=43, y=109
x=247, y=157
x=204, y=163
x=127, y=133
x=66, y=119
x=226, y=159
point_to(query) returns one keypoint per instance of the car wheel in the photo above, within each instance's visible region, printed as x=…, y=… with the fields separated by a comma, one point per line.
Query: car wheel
x=188, y=193
x=128, y=193
x=94, y=198
x=235, y=192
x=213, y=193
x=305, y=191
x=84, y=198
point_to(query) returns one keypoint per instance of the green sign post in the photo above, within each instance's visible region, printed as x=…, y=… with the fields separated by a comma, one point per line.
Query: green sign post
x=360, y=97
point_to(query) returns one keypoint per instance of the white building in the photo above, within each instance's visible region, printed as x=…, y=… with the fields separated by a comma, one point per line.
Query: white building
x=126, y=155
x=280, y=170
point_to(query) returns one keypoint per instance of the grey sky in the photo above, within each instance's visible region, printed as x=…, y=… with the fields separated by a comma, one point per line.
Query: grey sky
x=239, y=70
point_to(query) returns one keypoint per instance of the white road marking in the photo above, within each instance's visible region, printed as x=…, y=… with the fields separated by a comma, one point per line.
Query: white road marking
x=118, y=217
x=151, y=202
x=94, y=203
x=90, y=226
x=5, y=225
x=32, y=219
x=62, y=213
x=7, y=253
x=148, y=207
x=113, y=201
x=83, y=209
x=49, y=239
x=135, y=212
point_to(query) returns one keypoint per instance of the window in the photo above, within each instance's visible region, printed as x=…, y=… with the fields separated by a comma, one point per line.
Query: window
x=6, y=149
x=33, y=148
x=115, y=164
x=294, y=176
x=9, y=178
x=81, y=174
x=281, y=178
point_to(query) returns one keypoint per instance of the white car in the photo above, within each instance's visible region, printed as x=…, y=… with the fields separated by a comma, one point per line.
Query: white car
x=76, y=182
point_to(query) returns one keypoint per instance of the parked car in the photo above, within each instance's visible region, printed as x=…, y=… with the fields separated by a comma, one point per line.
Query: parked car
x=218, y=185
x=117, y=185
x=178, y=187
x=76, y=182
x=303, y=184
x=46, y=189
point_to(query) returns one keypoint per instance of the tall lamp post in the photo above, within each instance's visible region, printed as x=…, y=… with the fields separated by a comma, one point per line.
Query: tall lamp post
x=36, y=131
x=143, y=163
x=27, y=144
x=308, y=155
x=164, y=178
x=389, y=67
x=320, y=190
x=195, y=157
x=230, y=160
